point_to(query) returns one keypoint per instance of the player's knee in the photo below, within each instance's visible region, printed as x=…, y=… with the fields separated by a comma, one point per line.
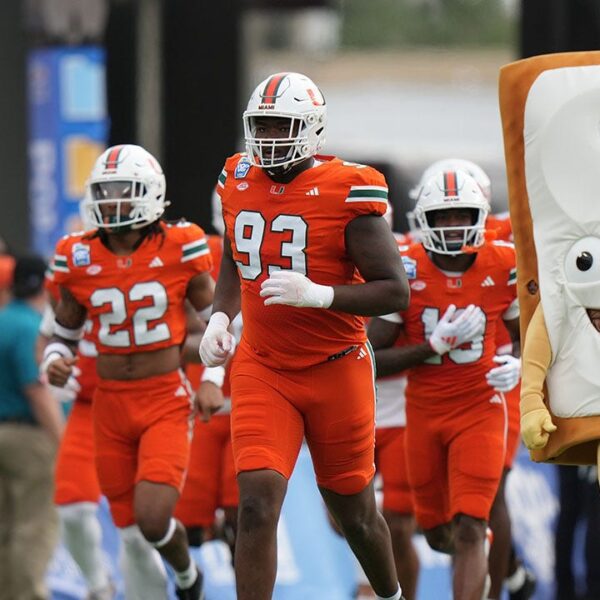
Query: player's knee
x=439, y=539
x=257, y=513
x=468, y=531
x=157, y=529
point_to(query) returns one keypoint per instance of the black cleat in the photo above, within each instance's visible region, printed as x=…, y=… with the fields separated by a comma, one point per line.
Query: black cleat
x=527, y=589
x=195, y=592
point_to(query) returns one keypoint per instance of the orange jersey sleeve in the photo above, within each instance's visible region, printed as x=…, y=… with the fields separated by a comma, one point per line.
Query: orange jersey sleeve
x=489, y=283
x=298, y=226
x=137, y=301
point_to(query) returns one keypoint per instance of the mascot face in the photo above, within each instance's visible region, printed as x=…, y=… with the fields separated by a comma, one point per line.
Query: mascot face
x=582, y=276
x=562, y=148
x=562, y=158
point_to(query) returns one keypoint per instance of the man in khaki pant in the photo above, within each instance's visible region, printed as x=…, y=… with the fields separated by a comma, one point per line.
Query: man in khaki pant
x=30, y=428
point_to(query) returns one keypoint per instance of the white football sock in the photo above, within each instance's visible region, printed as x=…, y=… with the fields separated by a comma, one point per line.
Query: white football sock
x=143, y=569
x=515, y=581
x=396, y=596
x=185, y=579
x=83, y=537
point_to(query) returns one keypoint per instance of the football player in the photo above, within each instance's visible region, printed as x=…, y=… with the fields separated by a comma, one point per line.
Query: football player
x=210, y=483
x=306, y=253
x=505, y=567
x=455, y=433
x=132, y=275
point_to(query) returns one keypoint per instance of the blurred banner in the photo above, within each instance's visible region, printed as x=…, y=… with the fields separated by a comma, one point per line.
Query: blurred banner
x=67, y=131
x=315, y=563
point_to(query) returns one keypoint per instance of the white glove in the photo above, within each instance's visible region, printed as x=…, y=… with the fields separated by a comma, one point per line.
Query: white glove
x=449, y=333
x=295, y=289
x=217, y=343
x=505, y=377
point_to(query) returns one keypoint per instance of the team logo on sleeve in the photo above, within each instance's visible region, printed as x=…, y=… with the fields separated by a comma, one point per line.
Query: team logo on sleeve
x=81, y=255
x=410, y=266
x=242, y=168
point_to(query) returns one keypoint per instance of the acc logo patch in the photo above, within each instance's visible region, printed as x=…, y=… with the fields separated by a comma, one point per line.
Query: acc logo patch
x=410, y=266
x=81, y=255
x=242, y=168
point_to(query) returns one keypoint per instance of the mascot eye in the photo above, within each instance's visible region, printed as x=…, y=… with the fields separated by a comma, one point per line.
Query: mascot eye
x=582, y=263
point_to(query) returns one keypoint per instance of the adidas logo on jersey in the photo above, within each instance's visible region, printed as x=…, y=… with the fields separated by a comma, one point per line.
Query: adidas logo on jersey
x=361, y=353
x=488, y=281
x=181, y=391
x=496, y=399
x=156, y=262
x=313, y=192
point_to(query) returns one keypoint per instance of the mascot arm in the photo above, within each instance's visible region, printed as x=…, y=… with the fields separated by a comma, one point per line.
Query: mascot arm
x=536, y=421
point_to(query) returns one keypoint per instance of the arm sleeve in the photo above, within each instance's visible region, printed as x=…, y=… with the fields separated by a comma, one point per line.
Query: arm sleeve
x=60, y=270
x=195, y=252
x=367, y=194
x=537, y=354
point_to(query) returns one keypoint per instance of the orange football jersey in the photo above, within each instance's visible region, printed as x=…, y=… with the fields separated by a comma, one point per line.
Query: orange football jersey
x=490, y=283
x=137, y=300
x=298, y=226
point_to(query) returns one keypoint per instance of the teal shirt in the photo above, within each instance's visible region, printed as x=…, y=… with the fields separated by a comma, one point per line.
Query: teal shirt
x=19, y=325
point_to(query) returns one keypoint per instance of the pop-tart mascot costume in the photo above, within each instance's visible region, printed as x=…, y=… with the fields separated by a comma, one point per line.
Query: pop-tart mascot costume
x=550, y=108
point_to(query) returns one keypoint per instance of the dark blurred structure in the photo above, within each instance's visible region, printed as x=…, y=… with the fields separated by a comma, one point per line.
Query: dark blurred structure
x=13, y=149
x=549, y=26
x=173, y=79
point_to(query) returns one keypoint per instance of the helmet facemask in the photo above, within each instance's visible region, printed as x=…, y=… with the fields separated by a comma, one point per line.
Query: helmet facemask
x=126, y=190
x=463, y=193
x=452, y=240
x=299, y=105
x=281, y=152
x=119, y=205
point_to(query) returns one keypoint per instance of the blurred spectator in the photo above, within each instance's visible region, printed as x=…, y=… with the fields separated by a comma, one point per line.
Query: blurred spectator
x=7, y=265
x=30, y=427
x=579, y=501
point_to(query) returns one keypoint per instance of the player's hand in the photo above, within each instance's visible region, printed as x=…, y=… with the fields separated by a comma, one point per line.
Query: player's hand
x=71, y=389
x=505, y=377
x=208, y=400
x=295, y=289
x=536, y=427
x=217, y=343
x=451, y=331
x=60, y=370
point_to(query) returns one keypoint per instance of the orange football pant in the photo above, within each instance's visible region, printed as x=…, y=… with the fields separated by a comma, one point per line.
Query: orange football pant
x=455, y=455
x=390, y=461
x=75, y=476
x=331, y=404
x=211, y=482
x=142, y=432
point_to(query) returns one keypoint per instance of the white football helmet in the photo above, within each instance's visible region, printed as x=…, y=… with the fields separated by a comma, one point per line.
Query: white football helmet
x=130, y=183
x=451, y=190
x=291, y=96
x=455, y=164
